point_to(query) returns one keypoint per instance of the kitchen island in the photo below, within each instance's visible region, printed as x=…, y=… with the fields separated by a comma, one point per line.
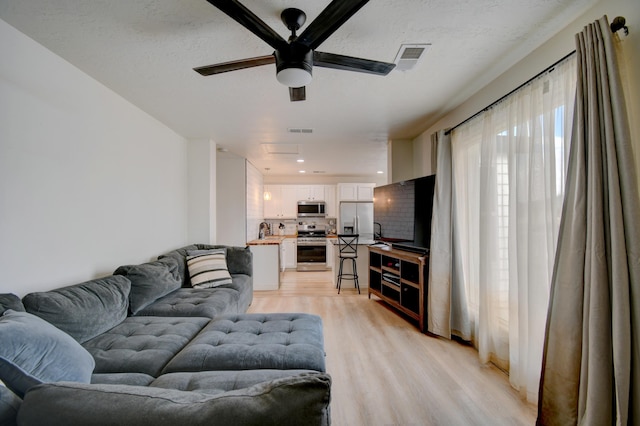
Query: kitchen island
x=266, y=261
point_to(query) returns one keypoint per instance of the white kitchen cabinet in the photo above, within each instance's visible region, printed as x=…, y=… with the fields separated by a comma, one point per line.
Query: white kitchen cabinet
x=289, y=202
x=330, y=200
x=282, y=202
x=311, y=192
x=355, y=191
x=331, y=262
x=290, y=253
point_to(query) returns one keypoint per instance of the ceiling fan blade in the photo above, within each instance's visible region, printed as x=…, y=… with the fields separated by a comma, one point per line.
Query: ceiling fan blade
x=297, y=94
x=348, y=63
x=238, y=12
x=235, y=65
x=329, y=20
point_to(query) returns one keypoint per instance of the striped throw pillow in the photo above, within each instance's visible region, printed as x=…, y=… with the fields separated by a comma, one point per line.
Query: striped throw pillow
x=208, y=269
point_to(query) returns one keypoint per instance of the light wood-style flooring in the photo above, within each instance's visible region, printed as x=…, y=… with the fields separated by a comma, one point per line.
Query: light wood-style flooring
x=385, y=372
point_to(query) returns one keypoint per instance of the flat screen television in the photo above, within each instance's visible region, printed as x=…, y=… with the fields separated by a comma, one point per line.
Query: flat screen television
x=402, y=213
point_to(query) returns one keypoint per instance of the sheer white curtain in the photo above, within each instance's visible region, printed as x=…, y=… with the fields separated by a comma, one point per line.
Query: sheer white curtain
x=509, y=168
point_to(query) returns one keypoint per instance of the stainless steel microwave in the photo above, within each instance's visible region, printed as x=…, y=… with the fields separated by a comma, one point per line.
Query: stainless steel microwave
x=312, y=209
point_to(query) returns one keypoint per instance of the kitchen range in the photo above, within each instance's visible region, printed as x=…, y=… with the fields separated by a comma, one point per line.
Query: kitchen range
x=311, y=247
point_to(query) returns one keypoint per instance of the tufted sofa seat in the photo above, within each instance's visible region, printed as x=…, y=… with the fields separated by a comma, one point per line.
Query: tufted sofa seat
x=202, y=302
x=255, y=341
x=142, y=344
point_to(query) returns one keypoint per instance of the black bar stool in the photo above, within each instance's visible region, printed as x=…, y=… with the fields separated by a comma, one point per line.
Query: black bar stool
x=348, y=250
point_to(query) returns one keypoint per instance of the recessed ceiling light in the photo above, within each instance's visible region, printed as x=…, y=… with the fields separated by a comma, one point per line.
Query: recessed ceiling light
x=300, y=160
x=380, y=172
x=303, y=171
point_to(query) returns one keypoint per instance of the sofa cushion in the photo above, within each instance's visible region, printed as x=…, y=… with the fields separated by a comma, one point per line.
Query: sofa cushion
x=201, y=302
x=33, y=351
x=9, y=405
x=10, y=301
x=150, y=281
x=214, y=382
x=83, y=310
x=239, y=259
x=208, y=268
x=255, y=341
x=135, y=379
x=142, y=344
x=295, y=400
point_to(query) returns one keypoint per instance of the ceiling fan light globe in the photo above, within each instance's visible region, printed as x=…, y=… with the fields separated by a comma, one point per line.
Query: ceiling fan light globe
x=294, y=77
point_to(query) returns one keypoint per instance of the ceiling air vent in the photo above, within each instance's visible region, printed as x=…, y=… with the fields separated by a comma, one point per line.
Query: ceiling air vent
x=409, y=55
x=299, y=130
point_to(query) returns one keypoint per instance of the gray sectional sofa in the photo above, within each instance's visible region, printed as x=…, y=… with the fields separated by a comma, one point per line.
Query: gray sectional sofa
x=143, y=346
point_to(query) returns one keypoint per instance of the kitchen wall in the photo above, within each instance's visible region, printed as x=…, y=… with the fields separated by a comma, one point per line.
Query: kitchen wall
x=398, y=218
x=88, y=182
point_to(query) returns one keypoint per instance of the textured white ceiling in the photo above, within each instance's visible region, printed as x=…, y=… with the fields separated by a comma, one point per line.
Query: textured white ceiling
x=145, y=51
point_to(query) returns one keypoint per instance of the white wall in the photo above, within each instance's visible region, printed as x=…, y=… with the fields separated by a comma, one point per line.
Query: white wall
x=88, y=182
x=231, y=212
x=202, y=191
x=423, y=158
x=401, y=160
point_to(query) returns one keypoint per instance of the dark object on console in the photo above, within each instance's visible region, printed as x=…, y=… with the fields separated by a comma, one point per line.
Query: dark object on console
x=404, y=210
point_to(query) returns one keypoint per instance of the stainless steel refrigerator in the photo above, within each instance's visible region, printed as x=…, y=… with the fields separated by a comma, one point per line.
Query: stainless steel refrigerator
x=356, y=217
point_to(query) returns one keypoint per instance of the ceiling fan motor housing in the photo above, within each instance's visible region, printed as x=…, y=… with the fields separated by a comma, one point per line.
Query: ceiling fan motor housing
x=294, y=64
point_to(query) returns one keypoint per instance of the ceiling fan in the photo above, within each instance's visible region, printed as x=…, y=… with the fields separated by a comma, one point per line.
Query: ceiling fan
x=295, y=57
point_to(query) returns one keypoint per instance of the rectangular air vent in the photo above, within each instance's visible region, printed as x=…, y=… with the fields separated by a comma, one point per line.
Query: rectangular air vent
x=299, y=130
x=409, y=55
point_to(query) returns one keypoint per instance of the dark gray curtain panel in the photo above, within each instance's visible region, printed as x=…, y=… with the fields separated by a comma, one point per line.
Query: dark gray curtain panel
x=590, y=372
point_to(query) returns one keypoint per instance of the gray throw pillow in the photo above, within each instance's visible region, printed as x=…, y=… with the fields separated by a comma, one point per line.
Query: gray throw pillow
x=10, y=301
x=34, y=351
x=297, y=400
x=150, y=281
x=84, y=310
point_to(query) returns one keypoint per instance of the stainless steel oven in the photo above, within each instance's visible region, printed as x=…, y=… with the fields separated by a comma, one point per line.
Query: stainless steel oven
x=311, y=249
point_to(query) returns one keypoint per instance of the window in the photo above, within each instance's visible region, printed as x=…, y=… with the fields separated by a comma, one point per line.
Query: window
x=509, y=168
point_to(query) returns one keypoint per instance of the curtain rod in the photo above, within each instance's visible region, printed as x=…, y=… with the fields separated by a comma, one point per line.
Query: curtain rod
x=619, y=23
x=549, y=68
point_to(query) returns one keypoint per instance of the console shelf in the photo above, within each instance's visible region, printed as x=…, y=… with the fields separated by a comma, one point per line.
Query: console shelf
x=400, y=278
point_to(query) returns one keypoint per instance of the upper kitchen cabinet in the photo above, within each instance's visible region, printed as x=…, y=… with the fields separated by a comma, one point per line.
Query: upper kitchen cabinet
x=311, y=192
x=330, y=199
x=355, y=191
x=280, y=201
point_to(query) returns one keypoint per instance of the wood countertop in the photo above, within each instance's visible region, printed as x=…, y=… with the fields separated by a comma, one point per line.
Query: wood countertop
x=270, y=240
x=278, y=239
